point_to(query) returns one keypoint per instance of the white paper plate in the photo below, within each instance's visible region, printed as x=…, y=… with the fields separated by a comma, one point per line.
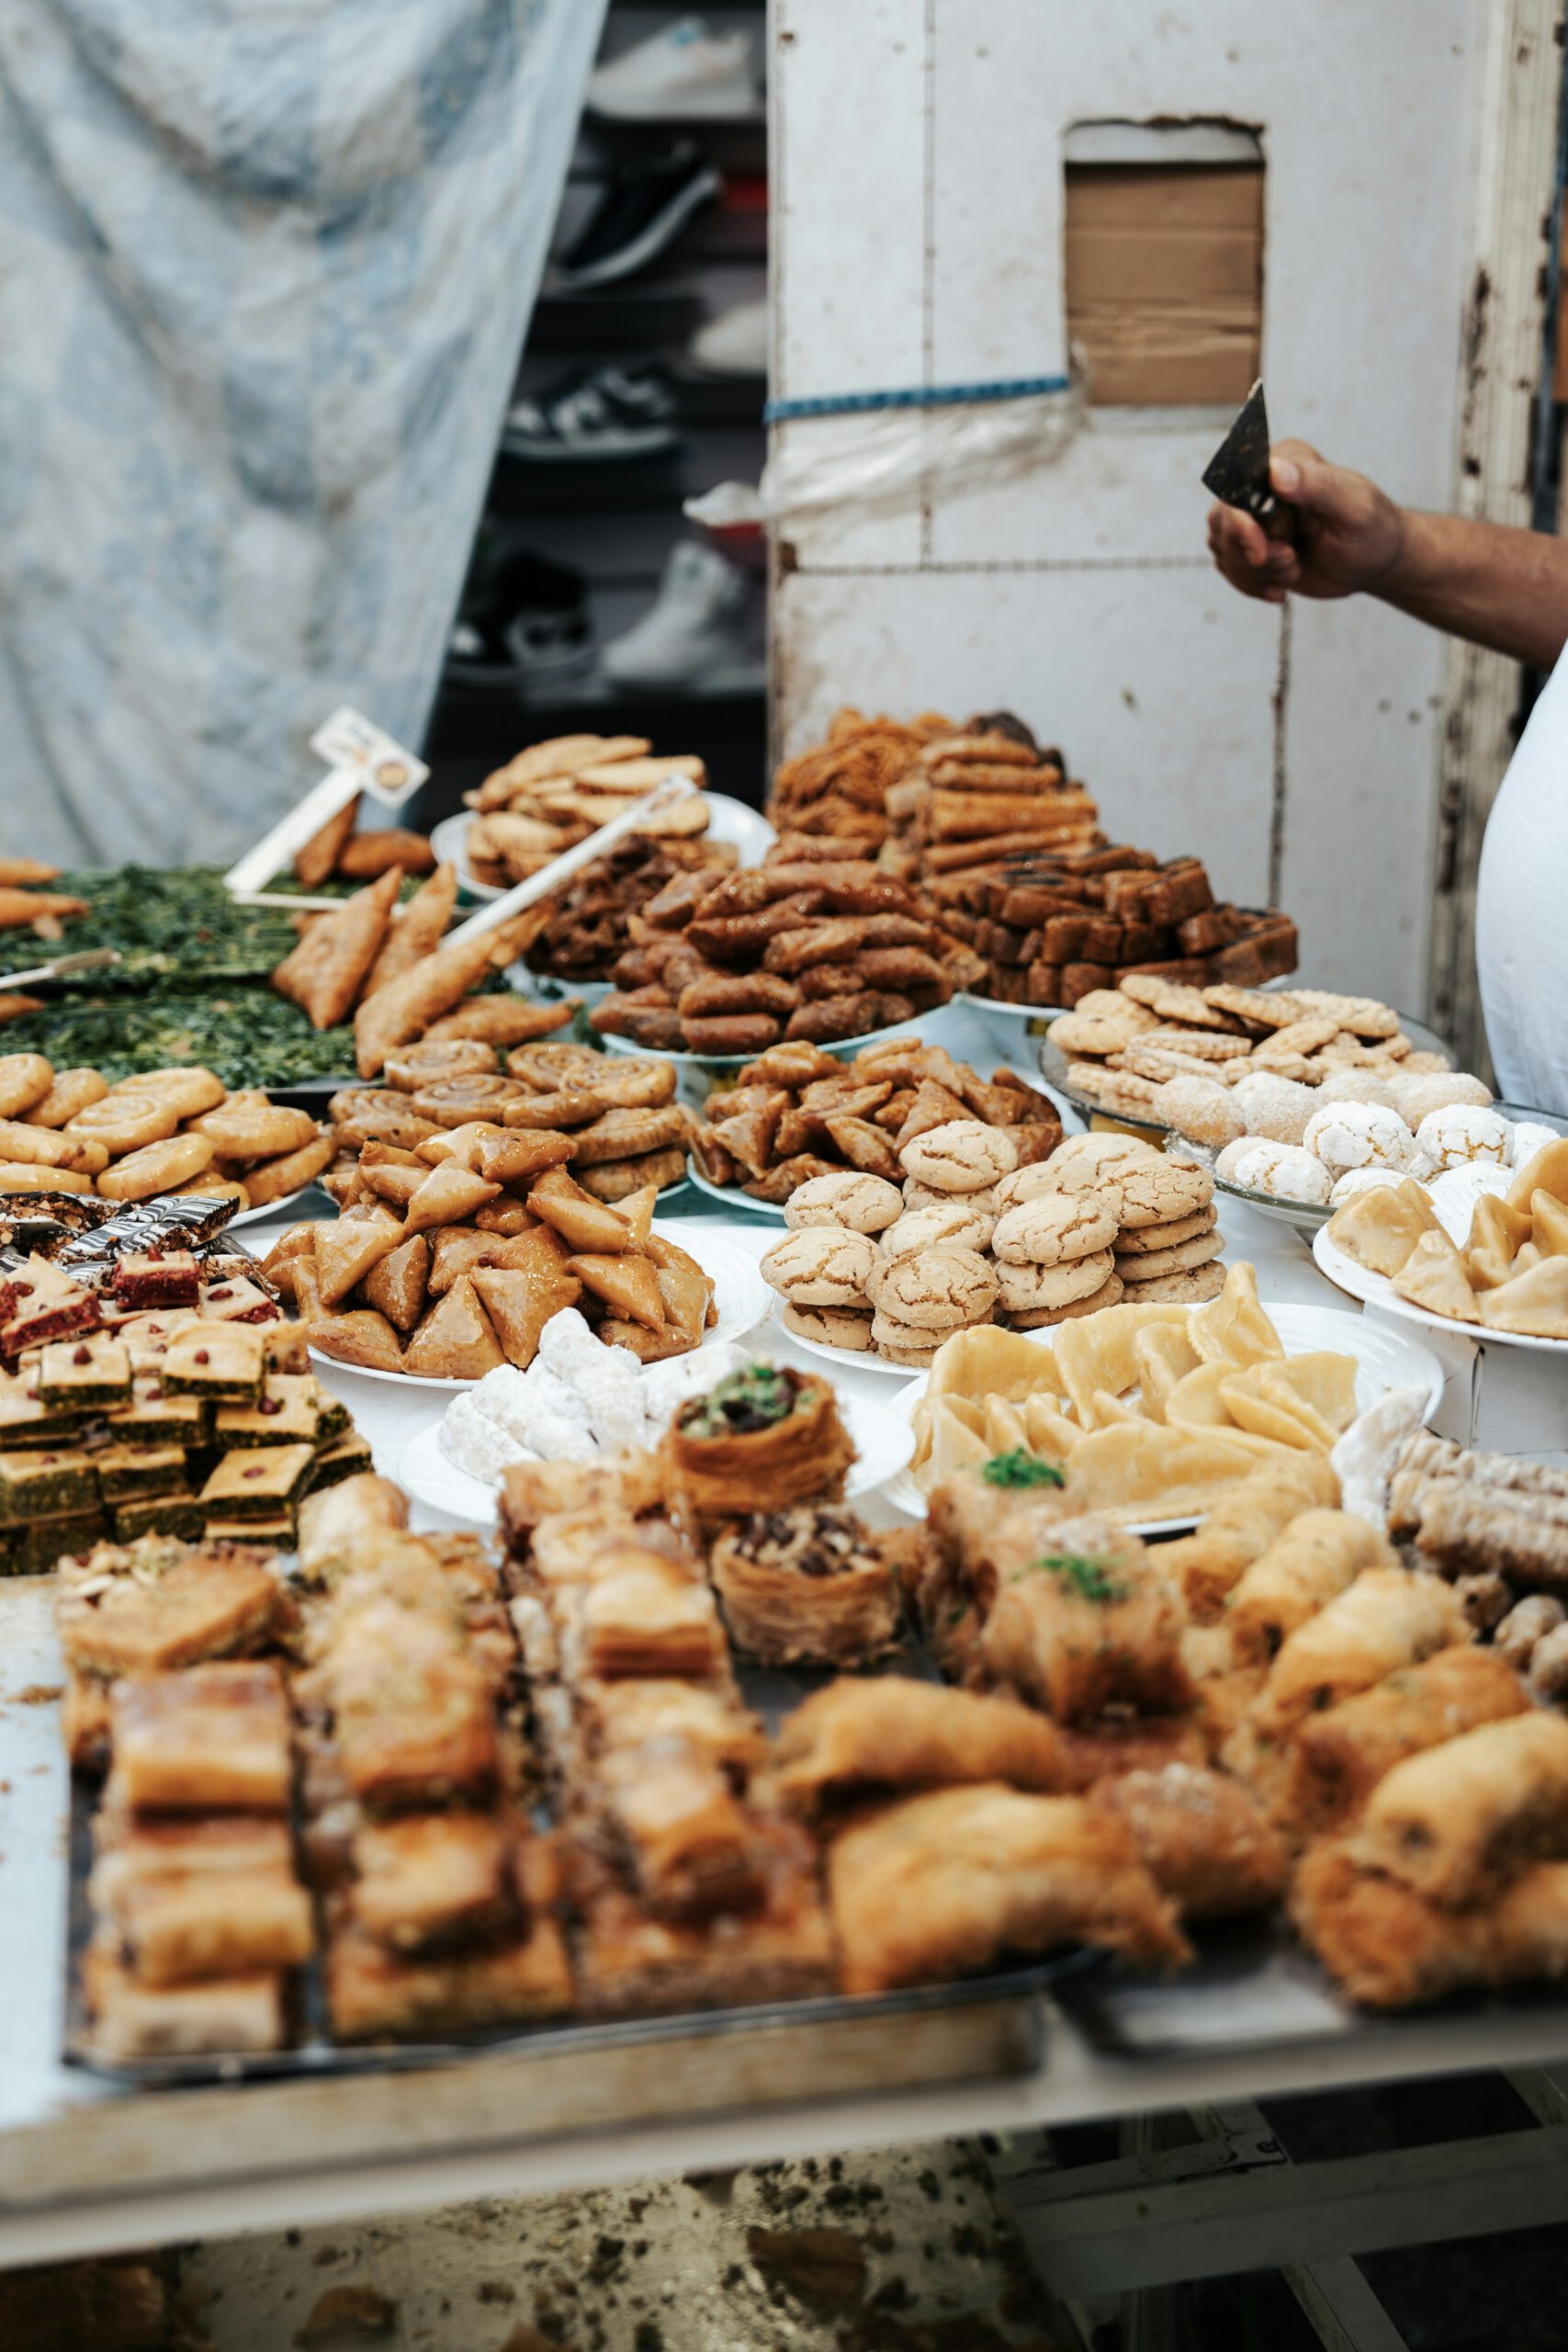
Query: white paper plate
x=741, y=1294
x=881, y=1440
x=728, y=820
x=1376, y=1290
x=1384, y=1360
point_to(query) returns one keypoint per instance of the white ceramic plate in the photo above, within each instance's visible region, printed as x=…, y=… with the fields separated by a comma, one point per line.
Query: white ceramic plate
x=730, y=1196
x=1384, y=1360
x=741, y=1294
x=1376, y=1290
x=272, y=1208
x=728, y=820
x=847, y=1358
x=883, y=1444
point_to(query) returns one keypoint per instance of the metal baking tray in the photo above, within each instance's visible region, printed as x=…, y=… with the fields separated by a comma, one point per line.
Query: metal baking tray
x=778, y=2052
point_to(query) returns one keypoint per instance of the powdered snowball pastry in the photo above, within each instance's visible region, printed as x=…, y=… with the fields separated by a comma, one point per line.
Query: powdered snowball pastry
x=1357, y=1086
x=1275, y=1107
x=1418, y=1092
x=1359, y=1135
x=1528, y=1137
x=1227, y=1162
x=1363, y=1180
x=475, y=1444
x=1462, y=1131
x=1285, y=1171
x=1455, y=1194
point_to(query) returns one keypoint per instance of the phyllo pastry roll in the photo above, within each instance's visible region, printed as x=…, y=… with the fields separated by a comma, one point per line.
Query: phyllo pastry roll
x=1390, y=1947
x=375, y=1994
x=1340, y=1757
x=1241, y=1527
x=806, y=1587
x=1315, y=1559
x=1202, y=1836
x=1385, y=1621
x=1455, y=1822
x=765, y=1437
x=230, y=2015
x=1085, y=1621
x=708, y=1718
x=184, y=1925
x=889, y=1731
x=691, y=1847
x=212, y=1739
x=427, y=1879
x=957, y=1880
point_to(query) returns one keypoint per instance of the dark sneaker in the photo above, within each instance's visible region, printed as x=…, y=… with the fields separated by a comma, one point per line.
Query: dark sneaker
x=642, y=211
x=610, y=414
x=526, y=619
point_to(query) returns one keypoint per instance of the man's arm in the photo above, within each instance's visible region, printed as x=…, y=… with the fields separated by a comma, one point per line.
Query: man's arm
x=1494, y=587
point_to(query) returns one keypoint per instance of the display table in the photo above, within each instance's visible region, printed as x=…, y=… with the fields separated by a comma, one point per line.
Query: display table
x=87, y=2166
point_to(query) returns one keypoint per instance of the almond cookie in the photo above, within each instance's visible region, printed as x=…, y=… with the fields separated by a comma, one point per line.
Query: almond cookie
x=939, y=1290
x=1035, y=1319
x=1308, y=1035
x=1053, y=1229
x=859, y=1203
x=156, y=1167
x=1176, y=1290
x=1259, y=1008
x=1025, y=1290
x=188, y=1092
x=931, y=1196
x=961, y=1156
x=1163, y=1063
x=1180, y=1258
x=1165, y=1236
x=834, y=1327
x=1027, y=1184
x=1163, y=1191
x=821, y=1265
x=1188, y=1006
x=965, y=1227
x=1109, y=1004
x=908, y=1359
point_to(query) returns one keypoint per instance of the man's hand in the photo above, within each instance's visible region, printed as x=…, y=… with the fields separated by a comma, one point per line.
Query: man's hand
x=1349, y=537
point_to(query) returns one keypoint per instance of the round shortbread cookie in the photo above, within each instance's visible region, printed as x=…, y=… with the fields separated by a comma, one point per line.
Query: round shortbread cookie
x=1035, y=1319
x=821, y=1265
x=1099, y=1151
x=1024, y=1289
x=1054, y=1229
x=850, y=1198
x=156, y=1167
x=965, y=1227
x=918, y=1195
x=835, y=1327
x=911, y=1359
x=1162, y=1191
x=1165, y=1236
x=1092, y=1033
x=1176, y=1290
x=961, y=1156
x=1179, y=1259
x=887, y=1331
x=938, y=1290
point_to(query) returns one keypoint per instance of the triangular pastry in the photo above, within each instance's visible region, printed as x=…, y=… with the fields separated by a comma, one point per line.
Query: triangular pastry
x=1534, y=1303
x=1379, y=1229
x=1434, y=1276
x=455, y=1341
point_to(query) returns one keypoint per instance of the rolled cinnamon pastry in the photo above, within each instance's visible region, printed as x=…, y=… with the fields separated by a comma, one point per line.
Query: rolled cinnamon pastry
x=765, y=1438
x=805, y=1587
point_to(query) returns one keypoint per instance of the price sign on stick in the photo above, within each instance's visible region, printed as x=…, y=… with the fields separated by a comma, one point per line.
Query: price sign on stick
x=551, y=878
x=363, y=758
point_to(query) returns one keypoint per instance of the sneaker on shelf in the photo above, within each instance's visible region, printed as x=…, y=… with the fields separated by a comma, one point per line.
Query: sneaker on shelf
x=527, y=620
x=735, y=343
x=610, y=412
x=645, y=206
x=696, y=635
x=683, y=71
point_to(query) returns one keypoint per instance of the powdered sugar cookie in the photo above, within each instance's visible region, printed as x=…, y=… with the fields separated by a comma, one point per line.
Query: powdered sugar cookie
x=1359, y=1135
x=1462, y=1131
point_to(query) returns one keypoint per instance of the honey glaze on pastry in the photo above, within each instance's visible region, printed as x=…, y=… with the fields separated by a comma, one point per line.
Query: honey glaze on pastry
x=805, y=1587
x=765, y=1438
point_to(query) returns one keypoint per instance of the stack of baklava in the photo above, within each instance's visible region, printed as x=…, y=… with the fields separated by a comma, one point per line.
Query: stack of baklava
x=689, y=1893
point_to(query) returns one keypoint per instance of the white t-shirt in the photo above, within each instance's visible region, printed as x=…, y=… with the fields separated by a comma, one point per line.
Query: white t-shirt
x=1521, y=911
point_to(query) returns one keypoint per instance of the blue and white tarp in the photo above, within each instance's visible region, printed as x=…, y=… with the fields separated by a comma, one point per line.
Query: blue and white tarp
x=265, y=267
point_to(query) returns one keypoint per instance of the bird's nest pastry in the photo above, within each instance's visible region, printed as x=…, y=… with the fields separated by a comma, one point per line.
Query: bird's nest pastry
x=762, y=1438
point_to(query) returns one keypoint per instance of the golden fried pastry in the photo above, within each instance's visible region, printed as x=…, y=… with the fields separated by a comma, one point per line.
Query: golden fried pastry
x=765, y=1438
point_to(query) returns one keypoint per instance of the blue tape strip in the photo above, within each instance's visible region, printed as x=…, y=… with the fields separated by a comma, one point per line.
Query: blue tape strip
x=916, y=396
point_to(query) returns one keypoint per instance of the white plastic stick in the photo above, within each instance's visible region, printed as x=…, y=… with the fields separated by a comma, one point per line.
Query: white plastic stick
x=550, y=878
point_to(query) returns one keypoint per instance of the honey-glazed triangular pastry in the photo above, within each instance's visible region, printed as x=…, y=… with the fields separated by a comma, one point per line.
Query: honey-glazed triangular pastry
x=393, y=1184
x=461, y=1142
x=1434, y=1276
x=1534, y=1304
x=1545, y=1171
x=1548, y=1225
x=1379, y=1229
x=638, y=1210
x=576, y=1215
x=520, y=1305
x=1497, y=1233
x=448, y=1194
x=627, y=1283
x=686, y=1299
x=1233, y=1328
x=347, y=1252
x=455, y=1341
x=362, y=1337
x=396, y=1287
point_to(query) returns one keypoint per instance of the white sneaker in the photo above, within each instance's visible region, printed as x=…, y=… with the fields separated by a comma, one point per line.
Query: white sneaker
x=683, y=71
x=695, y=633
x=735, y=343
